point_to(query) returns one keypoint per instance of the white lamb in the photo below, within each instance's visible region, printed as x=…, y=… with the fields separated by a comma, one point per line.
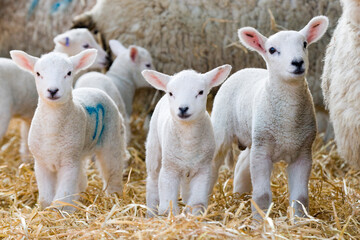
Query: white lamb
x=18, y=91
x=341, y=82
x=69, y=126
x=271, y=113
x=180, y=145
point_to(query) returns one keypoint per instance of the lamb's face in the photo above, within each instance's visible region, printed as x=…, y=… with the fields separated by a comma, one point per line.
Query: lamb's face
x=286, y=55
x=187, y=92
x=142, y=62
x=74, y=41
x=54, y=76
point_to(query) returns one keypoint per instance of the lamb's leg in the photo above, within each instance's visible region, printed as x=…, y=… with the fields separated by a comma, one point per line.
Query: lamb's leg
x=168, y=190
x=199, y=194
x=260, y=169
x=185, y=190
x=111, y=163
x=24, y=147
x=216, y=164
x=242, y=176
x=68, y=186
x=298, y=175
x=46, y=181
x=153, y=165
x=5, y=117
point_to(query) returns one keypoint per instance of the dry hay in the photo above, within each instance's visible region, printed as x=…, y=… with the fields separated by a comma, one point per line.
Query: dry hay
x=334, y=203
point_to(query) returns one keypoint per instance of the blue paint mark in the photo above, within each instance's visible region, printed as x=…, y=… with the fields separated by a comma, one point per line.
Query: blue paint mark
x=59, y=5
x=67, y=41
x=95, y=110
x=32, y=7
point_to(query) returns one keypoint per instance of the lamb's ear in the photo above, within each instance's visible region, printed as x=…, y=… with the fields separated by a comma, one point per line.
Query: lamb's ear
x=218, y=75
x=63, y=40
x=133, y=53
x=315, y=29
x=156, y=79
x=24, y=60
x=84, y=59
x=116, y=47
x=252, y=39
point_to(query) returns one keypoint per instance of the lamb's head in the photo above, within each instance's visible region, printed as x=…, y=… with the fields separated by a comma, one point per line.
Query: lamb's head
x=187, y=90
x=138, y=59
x=54, y=72
x=285, y=52
x=76, y=40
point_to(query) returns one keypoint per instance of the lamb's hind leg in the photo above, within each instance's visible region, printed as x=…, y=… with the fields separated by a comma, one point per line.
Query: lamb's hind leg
x=5, y=117
x=242, y=176
x=298, y=175
x=24, y=147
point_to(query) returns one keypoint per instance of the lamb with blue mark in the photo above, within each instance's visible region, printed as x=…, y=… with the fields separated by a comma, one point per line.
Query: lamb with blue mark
x=69, y=126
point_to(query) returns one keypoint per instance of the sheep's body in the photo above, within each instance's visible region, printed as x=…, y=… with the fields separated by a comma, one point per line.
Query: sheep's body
x=60, y=171
x=200, y=34
x=180, y=145
x=82, y=121
x=105, y=83
x=271, y=113
x=340, y=82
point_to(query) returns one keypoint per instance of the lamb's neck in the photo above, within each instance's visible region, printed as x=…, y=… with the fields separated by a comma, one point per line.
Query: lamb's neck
x=291, y=91
x=55, y=110
x=123, y=79
x=190, y=131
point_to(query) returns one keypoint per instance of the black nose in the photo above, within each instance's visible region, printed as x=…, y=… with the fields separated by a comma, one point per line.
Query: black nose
x=183, y=110
x=297, y=63
x=53, y=91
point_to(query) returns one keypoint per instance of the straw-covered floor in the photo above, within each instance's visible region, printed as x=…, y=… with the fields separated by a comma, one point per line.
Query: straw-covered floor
x=334, y=203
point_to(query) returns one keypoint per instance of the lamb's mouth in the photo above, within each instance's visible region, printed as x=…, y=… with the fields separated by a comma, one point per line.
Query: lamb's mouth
x=299, y=71
x=184, y=116
x=53, y=98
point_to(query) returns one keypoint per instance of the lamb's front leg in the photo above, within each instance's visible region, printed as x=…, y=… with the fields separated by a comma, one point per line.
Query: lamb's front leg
x=68, y=185
x=298, y=175
x=46, y=181
x=199, y=194
x=168, y=190
x=260, y=169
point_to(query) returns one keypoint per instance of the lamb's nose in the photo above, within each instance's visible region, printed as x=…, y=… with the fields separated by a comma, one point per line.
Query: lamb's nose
x=53, y=91
x=183, y=110
x=297, y=63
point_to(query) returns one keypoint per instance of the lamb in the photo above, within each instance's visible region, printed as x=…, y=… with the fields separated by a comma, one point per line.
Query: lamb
x=18, y=91
x=180, y=145
x=270, y=114
x=70, y=125
x=340, y=82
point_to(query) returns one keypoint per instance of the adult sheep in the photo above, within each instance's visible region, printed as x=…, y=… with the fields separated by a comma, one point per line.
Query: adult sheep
x=201, y=34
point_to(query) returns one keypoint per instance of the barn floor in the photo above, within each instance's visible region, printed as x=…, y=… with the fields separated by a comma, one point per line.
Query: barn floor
x=334, y=203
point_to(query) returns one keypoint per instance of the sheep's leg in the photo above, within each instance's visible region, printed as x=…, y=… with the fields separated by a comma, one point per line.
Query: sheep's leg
x=46, y=181
x=242, y=176
x=68, y=186
x=168, y=190
x=5, y=118
x=260, y=169
x=199, y=194
x=216, y=164
x=110, y=162
x=24, y=147
x=298, y=175
x=153, y=165
x=185, y=190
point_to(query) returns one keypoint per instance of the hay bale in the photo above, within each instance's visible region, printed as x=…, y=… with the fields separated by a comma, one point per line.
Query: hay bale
x=31, y=25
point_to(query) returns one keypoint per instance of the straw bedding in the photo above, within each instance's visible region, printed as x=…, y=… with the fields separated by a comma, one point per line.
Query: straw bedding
x=334, y=203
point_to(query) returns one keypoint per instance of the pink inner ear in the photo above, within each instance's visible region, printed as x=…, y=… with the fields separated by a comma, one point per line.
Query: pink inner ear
x=83, y=61
x=254, y=41
x=216, y=78
x=157, y=81
x=313, y=32
x=133, y=53
x=24, y=62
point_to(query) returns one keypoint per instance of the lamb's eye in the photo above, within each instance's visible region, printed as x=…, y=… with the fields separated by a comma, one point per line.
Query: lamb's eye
x=305, y=44
x=170, y=93
x=148, y=65
x=38, y=74
x=86, y=45
x=272, y=50
x=69, y=73
x=201, y=92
